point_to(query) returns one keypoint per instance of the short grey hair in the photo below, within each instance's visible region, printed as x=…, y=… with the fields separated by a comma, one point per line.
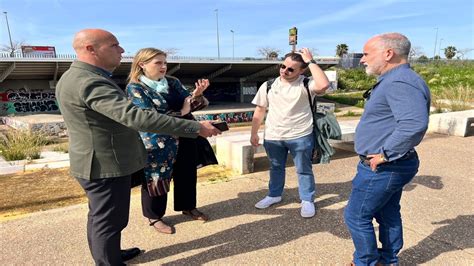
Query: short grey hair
x=396, y=41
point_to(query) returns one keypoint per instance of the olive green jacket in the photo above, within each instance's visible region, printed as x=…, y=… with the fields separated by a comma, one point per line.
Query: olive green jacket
x=102, y=124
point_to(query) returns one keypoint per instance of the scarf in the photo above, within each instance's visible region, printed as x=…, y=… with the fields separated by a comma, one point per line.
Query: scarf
x=159, y=86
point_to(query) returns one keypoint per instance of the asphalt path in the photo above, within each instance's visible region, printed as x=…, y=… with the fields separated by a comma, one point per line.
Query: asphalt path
x=437, y=210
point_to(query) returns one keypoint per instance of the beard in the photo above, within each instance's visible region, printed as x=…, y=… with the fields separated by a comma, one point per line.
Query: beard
x=374, y=69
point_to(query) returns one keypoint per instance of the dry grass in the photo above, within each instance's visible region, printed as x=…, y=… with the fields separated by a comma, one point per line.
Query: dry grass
x=34, y=191
x=454, y=98
x=21, y=144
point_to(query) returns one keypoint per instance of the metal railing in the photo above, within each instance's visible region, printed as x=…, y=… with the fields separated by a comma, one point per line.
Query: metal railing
x=7, y=55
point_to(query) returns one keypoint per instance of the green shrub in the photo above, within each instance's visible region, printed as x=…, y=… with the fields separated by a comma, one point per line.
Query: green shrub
x=354, y=79
x=21, y=144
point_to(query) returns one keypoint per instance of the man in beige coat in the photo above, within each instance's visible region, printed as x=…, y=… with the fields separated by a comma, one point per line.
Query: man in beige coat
x=104, y=145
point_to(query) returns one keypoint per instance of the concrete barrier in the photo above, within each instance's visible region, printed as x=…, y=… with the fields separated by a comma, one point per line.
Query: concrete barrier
x=235, y=151
x=453, y=123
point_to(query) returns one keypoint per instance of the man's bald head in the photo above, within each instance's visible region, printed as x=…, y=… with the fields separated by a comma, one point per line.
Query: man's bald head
x=89, y=37
x=97, y=47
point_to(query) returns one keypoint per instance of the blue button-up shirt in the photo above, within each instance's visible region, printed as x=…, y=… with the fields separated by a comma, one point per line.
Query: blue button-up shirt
x=396, y=114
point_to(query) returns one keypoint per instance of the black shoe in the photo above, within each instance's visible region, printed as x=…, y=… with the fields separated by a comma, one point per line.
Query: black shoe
x=128, y=254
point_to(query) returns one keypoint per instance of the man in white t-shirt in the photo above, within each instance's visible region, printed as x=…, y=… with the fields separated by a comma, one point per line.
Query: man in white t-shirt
x=289, y=126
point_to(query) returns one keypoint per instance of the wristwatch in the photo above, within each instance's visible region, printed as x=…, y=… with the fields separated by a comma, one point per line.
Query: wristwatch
x=312, y=61
x=382, y=158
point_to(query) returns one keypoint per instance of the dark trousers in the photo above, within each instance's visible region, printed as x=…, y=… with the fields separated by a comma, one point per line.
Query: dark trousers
x=109, y=205
x=184, y=180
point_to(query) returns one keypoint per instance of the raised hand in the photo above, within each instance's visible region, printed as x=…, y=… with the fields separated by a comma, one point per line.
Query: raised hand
x=201, y=86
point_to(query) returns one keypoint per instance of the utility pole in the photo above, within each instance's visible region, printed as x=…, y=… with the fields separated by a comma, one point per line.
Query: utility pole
x=436, y=40
x=439, y=47
x=12, y=52
x=217, y=26
x=232, y=43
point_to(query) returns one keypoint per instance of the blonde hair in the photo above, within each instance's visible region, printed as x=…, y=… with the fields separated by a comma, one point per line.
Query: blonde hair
x=143, y=56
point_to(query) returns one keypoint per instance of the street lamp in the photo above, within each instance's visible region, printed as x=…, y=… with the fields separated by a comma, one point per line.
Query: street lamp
x=217, y=26
x=436, y=40
x=9, y=35
x=440, y=48
x=232, y=43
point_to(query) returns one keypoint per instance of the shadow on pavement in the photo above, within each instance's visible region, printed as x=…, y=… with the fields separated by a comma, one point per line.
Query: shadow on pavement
x=273, y=231
x=287, y=226
x=429, y=181
x=458, y=230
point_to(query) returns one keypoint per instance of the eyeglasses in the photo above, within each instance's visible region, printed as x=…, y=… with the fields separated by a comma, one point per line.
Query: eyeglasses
x=291, y=70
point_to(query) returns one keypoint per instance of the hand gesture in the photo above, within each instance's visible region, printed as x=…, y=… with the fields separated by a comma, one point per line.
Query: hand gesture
x=306, y=54
x=201, y=86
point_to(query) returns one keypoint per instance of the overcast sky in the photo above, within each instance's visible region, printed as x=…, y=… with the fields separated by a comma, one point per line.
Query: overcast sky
x=190, y=26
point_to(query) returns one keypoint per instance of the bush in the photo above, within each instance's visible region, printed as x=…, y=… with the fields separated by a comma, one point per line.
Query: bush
x=454, y=98
x=354, y=79
x=21, y=144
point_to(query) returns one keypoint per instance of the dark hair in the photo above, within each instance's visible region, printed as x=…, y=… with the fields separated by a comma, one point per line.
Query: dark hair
x=298, y=58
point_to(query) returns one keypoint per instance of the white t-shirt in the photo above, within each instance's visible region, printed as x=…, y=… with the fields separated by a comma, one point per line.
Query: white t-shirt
x=289, y=113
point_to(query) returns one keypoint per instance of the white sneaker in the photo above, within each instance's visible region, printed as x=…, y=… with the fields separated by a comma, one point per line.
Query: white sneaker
x=307, y=209
x=267, y=202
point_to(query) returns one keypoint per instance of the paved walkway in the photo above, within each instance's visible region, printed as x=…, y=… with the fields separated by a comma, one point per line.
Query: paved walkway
x=437, y=208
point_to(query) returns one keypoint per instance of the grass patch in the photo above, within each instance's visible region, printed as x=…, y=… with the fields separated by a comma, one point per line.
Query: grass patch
x=354, y=99
x=61, y=147
x=55, y=188
x=350, y=114
x=21, y=145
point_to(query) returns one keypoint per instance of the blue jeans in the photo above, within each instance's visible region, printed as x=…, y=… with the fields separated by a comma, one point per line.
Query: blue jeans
x=377, y=195
x=301, y=151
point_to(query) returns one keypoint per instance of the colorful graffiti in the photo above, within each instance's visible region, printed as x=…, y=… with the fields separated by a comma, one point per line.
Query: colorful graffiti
x=231, y=117
x=27, y=102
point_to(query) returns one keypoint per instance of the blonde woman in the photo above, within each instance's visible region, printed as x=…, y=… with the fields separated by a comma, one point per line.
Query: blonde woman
x=169, y=157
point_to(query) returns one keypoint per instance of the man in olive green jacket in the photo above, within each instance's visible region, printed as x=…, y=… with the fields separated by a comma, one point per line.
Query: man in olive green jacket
x=104, y=145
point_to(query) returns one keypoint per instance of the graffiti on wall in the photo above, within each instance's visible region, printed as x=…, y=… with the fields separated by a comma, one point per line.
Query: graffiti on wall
x=231, y=117
x=25, y=102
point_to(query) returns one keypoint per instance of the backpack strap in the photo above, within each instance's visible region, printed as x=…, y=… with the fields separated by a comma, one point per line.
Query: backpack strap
x=269, y=84
x=312, y=104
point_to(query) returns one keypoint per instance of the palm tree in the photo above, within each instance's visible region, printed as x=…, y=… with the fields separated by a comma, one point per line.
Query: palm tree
x=450, y=52
x=341, y=49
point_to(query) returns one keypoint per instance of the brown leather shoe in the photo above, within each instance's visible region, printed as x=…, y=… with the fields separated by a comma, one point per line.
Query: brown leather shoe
x=162, y=227
x=196, y=215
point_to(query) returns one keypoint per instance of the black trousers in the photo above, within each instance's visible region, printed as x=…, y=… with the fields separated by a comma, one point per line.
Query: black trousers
x=184, y=180
x=109, y=206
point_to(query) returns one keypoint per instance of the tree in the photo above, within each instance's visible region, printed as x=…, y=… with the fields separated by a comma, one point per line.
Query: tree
x=450, y=52
x=171, y=51
x=415, y=51
x=341, y=49
x=423, y=59
x=269, y=53
x=462, y=52
x=16, y=47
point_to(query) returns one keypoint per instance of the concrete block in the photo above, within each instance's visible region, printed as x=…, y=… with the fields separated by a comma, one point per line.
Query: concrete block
x=453, y=123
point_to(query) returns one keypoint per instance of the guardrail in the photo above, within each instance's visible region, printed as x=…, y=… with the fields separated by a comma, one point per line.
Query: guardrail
x=21, y=56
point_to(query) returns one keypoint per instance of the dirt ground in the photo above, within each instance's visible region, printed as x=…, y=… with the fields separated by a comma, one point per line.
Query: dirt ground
x=28, y=192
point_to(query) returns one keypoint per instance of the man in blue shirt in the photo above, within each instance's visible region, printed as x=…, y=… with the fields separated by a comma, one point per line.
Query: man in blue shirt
x=395, y=120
